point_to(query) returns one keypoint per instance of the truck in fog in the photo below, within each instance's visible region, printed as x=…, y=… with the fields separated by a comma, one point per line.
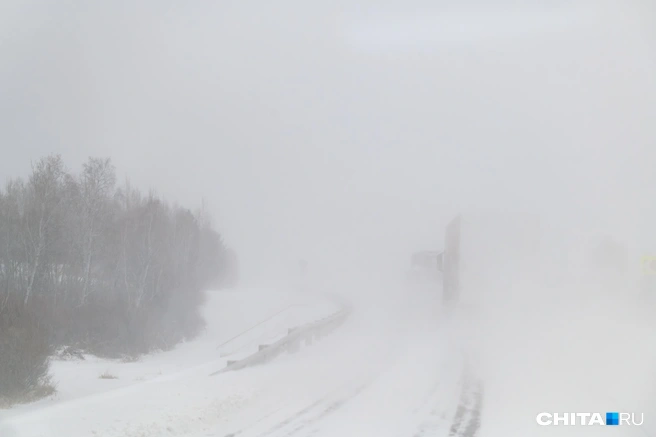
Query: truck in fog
x=424, y=268
x=486, y=256
x=491, y=259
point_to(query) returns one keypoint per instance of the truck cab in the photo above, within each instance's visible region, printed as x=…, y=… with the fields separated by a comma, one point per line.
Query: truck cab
x=425, y=268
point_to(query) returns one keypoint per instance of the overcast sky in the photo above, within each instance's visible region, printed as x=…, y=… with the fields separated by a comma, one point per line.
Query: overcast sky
x=324, y=130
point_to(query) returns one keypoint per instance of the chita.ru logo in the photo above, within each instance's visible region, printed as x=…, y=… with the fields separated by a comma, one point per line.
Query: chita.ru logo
x=587, y=419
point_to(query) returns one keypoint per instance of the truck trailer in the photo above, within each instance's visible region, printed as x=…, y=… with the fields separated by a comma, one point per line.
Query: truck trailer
x=493, y=259
x=486, y=256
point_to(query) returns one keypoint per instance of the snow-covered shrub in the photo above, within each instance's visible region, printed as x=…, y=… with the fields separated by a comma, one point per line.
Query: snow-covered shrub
x=24, y=353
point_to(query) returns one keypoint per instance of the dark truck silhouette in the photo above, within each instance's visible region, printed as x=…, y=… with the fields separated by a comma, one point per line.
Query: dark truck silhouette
x=485, y=254
x=424, y=267
x=490, y=258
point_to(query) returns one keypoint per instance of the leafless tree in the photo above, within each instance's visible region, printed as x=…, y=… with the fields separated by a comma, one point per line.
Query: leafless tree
x=103, y=267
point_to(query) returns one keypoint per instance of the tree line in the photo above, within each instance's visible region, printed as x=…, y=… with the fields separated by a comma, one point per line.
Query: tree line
x=90, y=265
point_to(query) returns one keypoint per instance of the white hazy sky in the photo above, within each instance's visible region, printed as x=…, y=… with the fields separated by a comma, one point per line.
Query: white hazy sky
x=329, y=131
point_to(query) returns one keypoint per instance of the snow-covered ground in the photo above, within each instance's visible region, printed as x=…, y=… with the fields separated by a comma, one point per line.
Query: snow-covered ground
x=388, y=371
x=237, y=323
x=396, y=368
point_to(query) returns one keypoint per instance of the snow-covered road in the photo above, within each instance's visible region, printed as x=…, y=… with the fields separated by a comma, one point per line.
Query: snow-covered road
x=365, y=380
x=395, y=368
x=388, y=371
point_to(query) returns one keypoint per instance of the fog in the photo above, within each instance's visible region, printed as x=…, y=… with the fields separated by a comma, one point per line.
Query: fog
x=316, y=130
x=350, y=136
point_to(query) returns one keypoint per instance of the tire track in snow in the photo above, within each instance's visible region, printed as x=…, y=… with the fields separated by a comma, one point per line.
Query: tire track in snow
x=461, y=397
x=307, y=416
x=329, y=409
x=435, y=418
x=285, y=422
x=467, y=420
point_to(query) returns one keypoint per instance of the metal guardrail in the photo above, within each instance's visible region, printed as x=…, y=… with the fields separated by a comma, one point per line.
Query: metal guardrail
x=291, y=343
x=241, y=334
